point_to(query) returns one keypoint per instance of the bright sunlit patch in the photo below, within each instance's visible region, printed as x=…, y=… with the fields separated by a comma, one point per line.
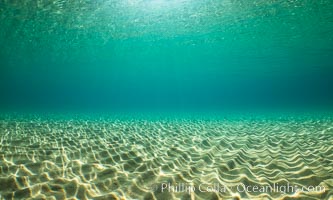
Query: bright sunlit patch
x=156, y=4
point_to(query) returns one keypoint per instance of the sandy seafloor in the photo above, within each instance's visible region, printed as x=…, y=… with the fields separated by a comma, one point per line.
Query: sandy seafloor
x=166, y=158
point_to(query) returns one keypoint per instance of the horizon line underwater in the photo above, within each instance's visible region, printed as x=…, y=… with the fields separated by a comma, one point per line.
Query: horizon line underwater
x=166, y=100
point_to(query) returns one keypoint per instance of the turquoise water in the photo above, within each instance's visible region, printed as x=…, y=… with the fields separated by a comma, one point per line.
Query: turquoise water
x=166, y=99
x=166, y=54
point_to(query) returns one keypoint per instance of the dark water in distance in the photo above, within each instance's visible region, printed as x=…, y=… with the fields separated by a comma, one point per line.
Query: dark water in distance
x=166, y=54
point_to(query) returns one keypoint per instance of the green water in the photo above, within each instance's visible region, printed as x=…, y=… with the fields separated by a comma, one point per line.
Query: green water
x=207, y=92
x=166, y=54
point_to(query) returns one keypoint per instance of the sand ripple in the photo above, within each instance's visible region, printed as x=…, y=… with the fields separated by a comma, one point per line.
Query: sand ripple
x=132, y=159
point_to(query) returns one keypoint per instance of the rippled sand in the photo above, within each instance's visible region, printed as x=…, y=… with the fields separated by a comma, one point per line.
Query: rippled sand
x=165, y=159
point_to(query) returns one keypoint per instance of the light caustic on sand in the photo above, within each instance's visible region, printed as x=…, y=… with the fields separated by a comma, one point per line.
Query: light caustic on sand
x=166, y=159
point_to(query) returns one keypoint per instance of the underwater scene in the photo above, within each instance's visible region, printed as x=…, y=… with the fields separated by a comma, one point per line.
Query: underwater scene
x=166, y=99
